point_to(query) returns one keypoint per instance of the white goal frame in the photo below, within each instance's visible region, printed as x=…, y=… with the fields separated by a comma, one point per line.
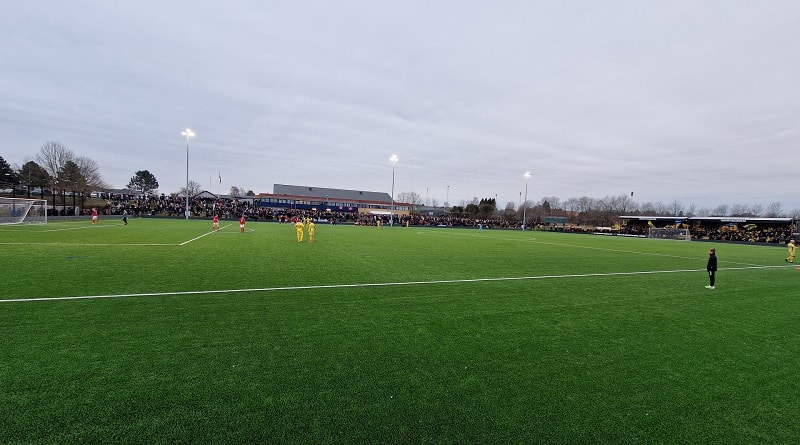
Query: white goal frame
x=669, y=233
x=22, y=211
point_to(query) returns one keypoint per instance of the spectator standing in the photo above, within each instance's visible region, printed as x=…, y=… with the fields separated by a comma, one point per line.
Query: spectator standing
x=711, y=268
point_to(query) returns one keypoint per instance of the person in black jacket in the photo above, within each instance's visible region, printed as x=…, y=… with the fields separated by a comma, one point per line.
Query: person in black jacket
x=711, y=267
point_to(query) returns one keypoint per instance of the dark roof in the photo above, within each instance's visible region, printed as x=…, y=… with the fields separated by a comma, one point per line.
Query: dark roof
x=331, y=194
x=752, y=219
x=123, y=191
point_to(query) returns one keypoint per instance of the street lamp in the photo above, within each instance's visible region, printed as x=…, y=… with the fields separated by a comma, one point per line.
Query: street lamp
x=527, y=176
x=393, y=160
x=189, y=134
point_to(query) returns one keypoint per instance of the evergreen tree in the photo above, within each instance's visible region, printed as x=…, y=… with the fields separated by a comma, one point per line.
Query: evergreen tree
x=143, y=181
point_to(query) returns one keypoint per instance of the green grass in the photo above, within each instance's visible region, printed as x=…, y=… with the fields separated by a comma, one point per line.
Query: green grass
x=391, y=335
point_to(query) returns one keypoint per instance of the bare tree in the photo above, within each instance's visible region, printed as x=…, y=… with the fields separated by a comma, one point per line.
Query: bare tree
x=704, y=211
x=410, y=198
x=194, y=189
x=626, y=204
x=720, y=210
x=661, y=209
x=570, y=206
x=53, y=156
x=648, y=208
x=90, y=171
x=676, y=208
x=774, y=210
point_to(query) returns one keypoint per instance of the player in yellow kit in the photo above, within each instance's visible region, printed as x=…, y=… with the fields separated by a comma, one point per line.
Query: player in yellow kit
x=298, y=226
x=311, y=229
x=792, y=251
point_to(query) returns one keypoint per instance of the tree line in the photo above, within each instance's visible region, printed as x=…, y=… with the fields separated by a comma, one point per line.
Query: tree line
x=597, y=211
x=56, y=168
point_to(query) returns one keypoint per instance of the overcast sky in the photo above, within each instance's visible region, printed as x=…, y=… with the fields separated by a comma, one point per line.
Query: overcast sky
x=694, y=101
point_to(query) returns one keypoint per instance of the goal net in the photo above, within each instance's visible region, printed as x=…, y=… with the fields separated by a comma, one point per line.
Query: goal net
x=663, y=233
x=20, y=210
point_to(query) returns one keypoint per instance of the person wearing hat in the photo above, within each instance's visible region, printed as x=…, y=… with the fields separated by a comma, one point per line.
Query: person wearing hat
x=792, y=249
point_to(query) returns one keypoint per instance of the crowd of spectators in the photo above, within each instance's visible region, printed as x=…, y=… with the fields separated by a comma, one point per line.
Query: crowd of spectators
x=766, y=234
x=750, y=233
x=201, y=207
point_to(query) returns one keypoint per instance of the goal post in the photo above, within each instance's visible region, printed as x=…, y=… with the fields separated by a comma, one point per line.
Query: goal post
x=664, y=233
x=21, y=210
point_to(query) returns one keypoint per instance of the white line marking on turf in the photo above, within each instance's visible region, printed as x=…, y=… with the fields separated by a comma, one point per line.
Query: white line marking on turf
x=357, y=285
x=88, y=244
x=203, y=235
x=112, y=244
x=605, y=249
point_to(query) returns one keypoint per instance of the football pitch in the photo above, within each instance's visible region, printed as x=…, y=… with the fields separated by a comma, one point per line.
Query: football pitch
x=163, y=331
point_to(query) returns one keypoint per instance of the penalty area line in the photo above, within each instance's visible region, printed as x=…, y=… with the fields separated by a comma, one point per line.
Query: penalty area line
x=203, y=235
x=365, y=285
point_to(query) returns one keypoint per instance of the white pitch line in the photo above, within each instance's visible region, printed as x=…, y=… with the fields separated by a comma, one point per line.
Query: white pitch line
x=87, y=227
x=111, y=244
x=364, y=285
x=203, y=235
x=88, y=244
x=606, y=249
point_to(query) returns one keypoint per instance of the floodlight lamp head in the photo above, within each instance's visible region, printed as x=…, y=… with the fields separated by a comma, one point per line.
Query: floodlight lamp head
x=188, y=133
x=527, y=175
x=394, y=159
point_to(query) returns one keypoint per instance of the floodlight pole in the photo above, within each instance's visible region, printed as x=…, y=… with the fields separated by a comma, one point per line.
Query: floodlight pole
x=393, y=160
x=189, y=134
x=527, y=176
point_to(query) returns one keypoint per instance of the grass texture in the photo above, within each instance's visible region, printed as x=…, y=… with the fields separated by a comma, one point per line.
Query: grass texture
x=162, y=331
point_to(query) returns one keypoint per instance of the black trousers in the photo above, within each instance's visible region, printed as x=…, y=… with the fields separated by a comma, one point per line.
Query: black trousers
x=711, y=277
